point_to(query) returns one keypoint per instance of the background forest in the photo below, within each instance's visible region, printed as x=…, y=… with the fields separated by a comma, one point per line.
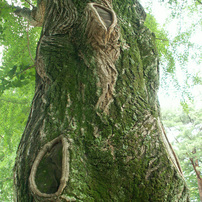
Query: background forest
x=177, y=39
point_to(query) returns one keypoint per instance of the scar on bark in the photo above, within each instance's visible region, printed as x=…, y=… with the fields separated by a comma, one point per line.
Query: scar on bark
x=50, y=173
x=103, y=34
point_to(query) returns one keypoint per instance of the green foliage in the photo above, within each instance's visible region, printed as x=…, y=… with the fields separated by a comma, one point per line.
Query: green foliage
x=19, y=41
x=162, y=43
x=14, y=107
x=185, y=130
x=179, y=51
x=17, y=77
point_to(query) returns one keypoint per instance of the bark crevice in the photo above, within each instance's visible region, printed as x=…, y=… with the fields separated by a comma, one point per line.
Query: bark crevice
x=103, y=34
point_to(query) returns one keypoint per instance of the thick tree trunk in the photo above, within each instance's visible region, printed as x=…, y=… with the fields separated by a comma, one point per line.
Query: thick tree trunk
x=94, y=132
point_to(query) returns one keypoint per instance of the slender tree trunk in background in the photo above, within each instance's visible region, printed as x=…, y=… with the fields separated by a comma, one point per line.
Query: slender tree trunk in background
x=200, y=187
x=94, y=132
x=195, y=165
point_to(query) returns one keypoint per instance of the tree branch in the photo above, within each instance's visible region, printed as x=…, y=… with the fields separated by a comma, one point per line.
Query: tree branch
x=199, y=1
x=35, y=16
x=27, y=14
x=13, y=101
x=194, y=166
x=29, y=3
x=18, y=73
x=6, y=179
x=28, y=43
x=162, y=39
x=26, y=69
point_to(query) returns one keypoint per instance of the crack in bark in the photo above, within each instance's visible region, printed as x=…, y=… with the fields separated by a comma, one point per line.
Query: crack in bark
x=60, y=17
x=103, y=35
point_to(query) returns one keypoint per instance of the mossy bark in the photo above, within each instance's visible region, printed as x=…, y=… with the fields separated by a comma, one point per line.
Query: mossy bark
x=119, y=154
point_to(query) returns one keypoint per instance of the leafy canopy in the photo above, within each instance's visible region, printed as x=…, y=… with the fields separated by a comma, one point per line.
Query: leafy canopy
x=178, y=42
x=19, y=42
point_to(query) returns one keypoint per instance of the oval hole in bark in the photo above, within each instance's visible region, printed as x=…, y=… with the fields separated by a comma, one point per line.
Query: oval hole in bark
x=105, y=15
x=50, y=170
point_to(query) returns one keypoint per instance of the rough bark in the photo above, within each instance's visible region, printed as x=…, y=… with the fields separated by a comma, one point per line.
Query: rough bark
x=94, y=131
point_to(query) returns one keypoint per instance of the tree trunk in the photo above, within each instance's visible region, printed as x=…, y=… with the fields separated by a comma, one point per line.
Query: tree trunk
x=200, y=187
x=94, y=132
x=195, y=164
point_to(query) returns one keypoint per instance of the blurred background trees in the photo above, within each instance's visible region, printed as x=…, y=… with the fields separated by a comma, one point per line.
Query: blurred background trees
x=184, y=130
x=14, y=107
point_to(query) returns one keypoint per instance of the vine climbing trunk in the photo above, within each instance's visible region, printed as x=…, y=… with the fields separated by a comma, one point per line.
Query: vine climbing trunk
x=94, y=131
